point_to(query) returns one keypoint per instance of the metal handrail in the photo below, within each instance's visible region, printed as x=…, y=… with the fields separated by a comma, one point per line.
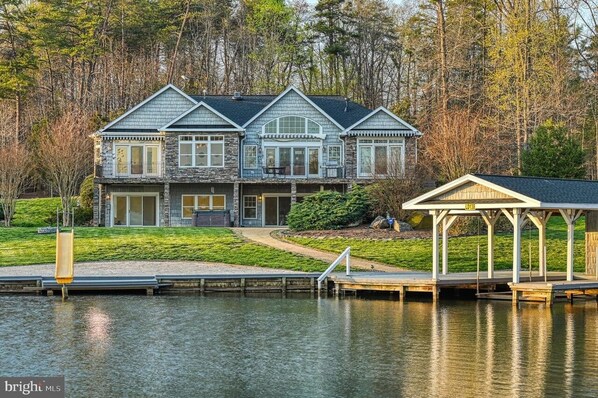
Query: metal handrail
x=347, y=256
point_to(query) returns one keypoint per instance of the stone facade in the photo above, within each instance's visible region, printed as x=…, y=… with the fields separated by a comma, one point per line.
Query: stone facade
x=170, y=114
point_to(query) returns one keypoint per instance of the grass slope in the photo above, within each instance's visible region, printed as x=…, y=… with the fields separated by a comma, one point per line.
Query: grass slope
x=35, y=212
x=417, y=253
x=23, y=246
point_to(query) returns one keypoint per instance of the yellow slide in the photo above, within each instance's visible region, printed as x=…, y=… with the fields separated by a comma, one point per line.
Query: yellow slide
x=65, y=264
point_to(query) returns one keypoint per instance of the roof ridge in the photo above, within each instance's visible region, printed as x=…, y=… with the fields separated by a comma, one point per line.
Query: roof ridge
x=533, y=177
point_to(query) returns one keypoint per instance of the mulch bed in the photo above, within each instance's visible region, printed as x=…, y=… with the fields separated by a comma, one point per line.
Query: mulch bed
x=361, y=232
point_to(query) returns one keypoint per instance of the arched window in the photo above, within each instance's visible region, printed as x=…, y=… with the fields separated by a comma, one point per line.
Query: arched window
x=292, y=125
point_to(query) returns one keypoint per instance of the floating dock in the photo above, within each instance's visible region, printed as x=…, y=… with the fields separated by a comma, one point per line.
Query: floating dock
x=548, y=291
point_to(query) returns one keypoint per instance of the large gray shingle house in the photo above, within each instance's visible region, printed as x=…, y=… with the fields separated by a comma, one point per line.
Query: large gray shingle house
x=239, y=159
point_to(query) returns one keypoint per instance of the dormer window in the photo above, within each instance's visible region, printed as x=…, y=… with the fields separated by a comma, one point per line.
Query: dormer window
x=292, y=125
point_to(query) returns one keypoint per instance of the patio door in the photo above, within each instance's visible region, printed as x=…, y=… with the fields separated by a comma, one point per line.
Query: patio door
x=135, y=211
x=276, y=210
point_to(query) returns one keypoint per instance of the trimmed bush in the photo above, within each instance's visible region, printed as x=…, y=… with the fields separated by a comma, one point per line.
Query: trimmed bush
x=329, y=210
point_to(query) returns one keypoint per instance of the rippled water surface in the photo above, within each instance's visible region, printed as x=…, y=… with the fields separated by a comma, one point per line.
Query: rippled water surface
x=114, y=346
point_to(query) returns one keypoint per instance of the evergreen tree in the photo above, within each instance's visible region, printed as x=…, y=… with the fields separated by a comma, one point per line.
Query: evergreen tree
x=551, y=153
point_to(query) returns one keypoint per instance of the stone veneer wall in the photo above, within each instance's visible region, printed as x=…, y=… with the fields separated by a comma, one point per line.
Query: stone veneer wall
x=228, y=173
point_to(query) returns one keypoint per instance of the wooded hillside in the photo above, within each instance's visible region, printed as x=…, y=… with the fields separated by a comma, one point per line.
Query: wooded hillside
x=476, y=76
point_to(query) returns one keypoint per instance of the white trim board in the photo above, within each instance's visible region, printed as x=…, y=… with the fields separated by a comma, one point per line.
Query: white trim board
x=416, y=203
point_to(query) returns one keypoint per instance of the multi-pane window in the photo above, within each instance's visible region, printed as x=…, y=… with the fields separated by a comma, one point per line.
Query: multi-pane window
x=250, y=156
x=334, y=154
x=380, y=157
x=250, y=206
x=136, y=159
x=201, y=151
x=202, y=203
x=292, y=125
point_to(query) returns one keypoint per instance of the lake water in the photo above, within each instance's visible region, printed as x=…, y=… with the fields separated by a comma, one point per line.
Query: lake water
x=181, y=346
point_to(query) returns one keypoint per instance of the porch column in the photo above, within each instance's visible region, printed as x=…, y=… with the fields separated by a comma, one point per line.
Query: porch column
x=166, y=205
x=570, y=216
x=540, y=219
x=293, y=192
x=447, y=222
x=490, y=217
x=236, y=204
x=516, y=244
x=435, y=244
x=97, y=195
x=437, y=217
x=517, y=218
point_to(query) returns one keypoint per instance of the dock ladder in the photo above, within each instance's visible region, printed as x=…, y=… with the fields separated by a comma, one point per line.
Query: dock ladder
x=344, y=255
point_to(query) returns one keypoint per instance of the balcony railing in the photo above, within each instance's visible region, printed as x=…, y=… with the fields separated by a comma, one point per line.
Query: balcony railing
x=325, y=172
x=138, y=170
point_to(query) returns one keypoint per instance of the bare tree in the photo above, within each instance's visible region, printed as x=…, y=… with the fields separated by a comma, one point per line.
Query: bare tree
x=65, y=156
x=14, y=169
x=458, y=144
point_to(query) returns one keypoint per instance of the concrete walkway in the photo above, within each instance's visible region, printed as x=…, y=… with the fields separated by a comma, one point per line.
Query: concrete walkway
x=264, y=237
x=141, y=268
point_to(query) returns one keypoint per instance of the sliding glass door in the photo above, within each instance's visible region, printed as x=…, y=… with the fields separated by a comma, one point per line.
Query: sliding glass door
x=135, y=210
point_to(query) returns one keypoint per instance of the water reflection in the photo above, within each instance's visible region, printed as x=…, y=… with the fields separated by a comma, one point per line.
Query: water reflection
x=234, y=346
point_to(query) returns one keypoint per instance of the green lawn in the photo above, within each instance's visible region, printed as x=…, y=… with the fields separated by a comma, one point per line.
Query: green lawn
x=23, y=246
x=417, y=253
x=35, y=212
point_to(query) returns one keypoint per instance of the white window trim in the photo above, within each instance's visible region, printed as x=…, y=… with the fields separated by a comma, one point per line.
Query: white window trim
x=127, y=195
x=340, y=154
x=245, y=156
x=388, y=144
x=129, y=144
x=305, y=131
x=194, y=141
x=196, y=205
x=244, y=207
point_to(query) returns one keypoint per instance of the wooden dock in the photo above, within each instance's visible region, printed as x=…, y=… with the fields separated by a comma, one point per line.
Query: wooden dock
x=406, y=282
x=547, y=291
x=167, y=284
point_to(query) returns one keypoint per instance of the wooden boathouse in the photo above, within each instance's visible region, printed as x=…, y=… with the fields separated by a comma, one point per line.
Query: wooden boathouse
x=520, y=200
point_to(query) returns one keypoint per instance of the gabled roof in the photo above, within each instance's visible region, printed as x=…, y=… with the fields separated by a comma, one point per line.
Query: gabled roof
x=148, y=99
x=402, y=126
x=282, y=95
x=510, y=191
x=227, y=123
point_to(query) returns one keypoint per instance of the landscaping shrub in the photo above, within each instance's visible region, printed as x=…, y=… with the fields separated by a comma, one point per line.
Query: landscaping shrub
x=388, y=195
x=329, y=210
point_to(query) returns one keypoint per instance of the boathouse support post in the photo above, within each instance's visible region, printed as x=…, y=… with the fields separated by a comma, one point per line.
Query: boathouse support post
x=570, y=216
x=517, y=218
x=490, y=217
x=437, y=217
x=447, y=222
x=540, y=219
